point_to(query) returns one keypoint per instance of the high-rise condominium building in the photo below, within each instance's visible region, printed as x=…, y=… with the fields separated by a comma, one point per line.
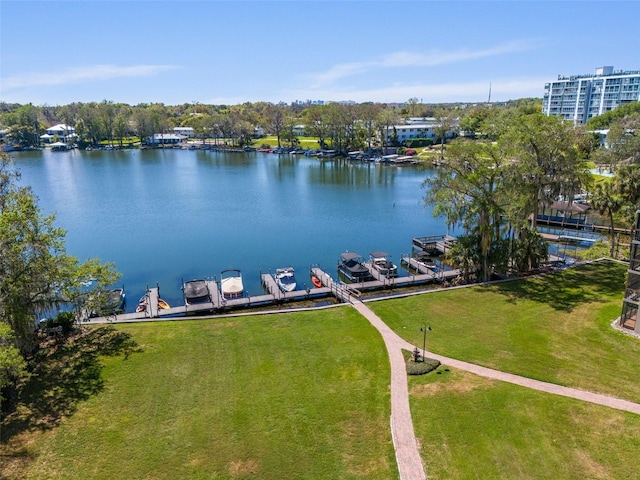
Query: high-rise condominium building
x=581, y=97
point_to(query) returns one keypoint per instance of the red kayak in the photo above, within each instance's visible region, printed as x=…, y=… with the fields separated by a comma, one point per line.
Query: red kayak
x=316, y=281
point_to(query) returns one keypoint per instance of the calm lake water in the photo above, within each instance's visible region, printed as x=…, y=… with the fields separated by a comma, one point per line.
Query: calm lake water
x=167, y=215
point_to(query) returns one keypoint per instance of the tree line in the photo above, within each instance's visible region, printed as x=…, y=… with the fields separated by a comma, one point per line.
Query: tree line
x=343, y=127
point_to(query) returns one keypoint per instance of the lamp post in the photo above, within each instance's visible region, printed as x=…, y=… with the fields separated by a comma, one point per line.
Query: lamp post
x=424, y=329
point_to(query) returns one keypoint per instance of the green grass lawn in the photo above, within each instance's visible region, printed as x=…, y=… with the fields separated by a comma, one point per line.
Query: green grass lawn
x=302, y=395
x=305, y=395
x=305, y=142
x=471, y=427
x=554, y=328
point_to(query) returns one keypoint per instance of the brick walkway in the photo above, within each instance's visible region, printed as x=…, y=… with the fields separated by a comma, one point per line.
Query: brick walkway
x=410, y=465
x=404, y=440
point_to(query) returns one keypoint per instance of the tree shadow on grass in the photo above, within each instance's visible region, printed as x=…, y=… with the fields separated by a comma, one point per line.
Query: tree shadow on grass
x=65, y=372
x=568, y=289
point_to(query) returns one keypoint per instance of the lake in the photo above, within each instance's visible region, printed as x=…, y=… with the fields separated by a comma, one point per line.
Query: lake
x=164, y=216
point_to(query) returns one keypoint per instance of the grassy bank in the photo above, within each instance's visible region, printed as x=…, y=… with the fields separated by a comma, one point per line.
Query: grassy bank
x=307, y=143
x=302, y=395
x=471, y=427
x=554, y=328
x=305, y=395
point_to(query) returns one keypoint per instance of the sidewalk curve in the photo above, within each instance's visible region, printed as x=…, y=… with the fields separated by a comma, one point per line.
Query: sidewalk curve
x=410, y=465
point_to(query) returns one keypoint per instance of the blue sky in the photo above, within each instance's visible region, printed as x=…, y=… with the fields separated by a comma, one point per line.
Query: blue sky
x=231, y=52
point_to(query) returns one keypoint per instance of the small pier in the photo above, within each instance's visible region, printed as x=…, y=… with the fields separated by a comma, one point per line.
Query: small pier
x=418, y=266
x=563, y=238
x=272, y=287
x=433, y=243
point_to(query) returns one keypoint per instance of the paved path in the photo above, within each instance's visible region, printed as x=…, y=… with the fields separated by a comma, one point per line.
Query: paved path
x=404, y=440
x=410, y=465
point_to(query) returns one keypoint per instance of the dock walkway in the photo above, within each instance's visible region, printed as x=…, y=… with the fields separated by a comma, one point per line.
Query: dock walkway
x=272, y=287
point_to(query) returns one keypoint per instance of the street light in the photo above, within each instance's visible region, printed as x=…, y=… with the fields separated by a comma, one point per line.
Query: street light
x=424, y=329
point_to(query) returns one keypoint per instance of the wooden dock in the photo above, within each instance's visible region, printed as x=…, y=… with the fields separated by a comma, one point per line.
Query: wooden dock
x=215, y=302
x=553, y=237
x=418, y=266
x=338, y=289
x=272, y=287
x=440, y=243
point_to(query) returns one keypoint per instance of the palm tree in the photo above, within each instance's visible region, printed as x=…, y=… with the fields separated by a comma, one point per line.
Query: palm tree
x=464, y=255
x=607, y=202
x=529, y=250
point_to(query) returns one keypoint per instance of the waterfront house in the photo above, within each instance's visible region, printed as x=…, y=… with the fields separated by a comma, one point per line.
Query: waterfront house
x=63, y=132
x=165, y=139
x=185, y=131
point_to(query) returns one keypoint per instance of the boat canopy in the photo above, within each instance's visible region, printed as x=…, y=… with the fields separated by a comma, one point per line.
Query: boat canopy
x=196, y=289
x=231, y=282
x=379, y=254
x=350, y=256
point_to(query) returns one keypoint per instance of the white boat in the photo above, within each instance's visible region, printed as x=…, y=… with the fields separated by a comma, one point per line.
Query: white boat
x=231, y=284
x=426, y=261
x=380, y=261
x=286, y=279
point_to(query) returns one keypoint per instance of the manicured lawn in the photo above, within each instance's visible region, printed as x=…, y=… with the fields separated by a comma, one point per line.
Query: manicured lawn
x=305, y=142
x=302, y=395
x=554, y=328
x=471, y=427
x=305, y=395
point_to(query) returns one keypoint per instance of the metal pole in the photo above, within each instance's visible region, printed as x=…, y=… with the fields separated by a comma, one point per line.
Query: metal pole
x=424, y=329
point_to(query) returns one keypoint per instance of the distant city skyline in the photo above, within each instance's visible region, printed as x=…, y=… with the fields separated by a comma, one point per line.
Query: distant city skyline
x=223, y=52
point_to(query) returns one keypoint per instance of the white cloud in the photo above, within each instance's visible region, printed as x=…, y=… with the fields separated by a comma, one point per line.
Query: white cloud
x=81, y=75
x=476, y=91
x=412, y=59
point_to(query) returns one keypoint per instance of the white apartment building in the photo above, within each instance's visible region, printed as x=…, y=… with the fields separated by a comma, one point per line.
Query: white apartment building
x=417, y=129
x=581, y=97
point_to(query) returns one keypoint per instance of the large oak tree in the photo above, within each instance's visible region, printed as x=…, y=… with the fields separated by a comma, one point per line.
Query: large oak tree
x=37, y=276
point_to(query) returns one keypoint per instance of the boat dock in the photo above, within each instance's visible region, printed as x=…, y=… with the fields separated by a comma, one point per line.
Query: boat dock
x=211, y=301
x=217, y=304
x=432, y=243
x=552, y=237
x=277, y=294
x=418, y=266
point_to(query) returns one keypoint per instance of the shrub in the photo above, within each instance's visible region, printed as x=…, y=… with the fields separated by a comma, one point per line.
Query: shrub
x=64, y=320
x=418, y=142
x=424, y=365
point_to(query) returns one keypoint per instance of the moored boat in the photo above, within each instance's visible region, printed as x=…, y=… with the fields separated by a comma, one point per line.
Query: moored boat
x=285, y=278
x=231, y=284
x=196, y=291
x=114, y=302
x=316, y=281
x=380, y=261
x=426, y=261
x=142, y=304
x=352, y=266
